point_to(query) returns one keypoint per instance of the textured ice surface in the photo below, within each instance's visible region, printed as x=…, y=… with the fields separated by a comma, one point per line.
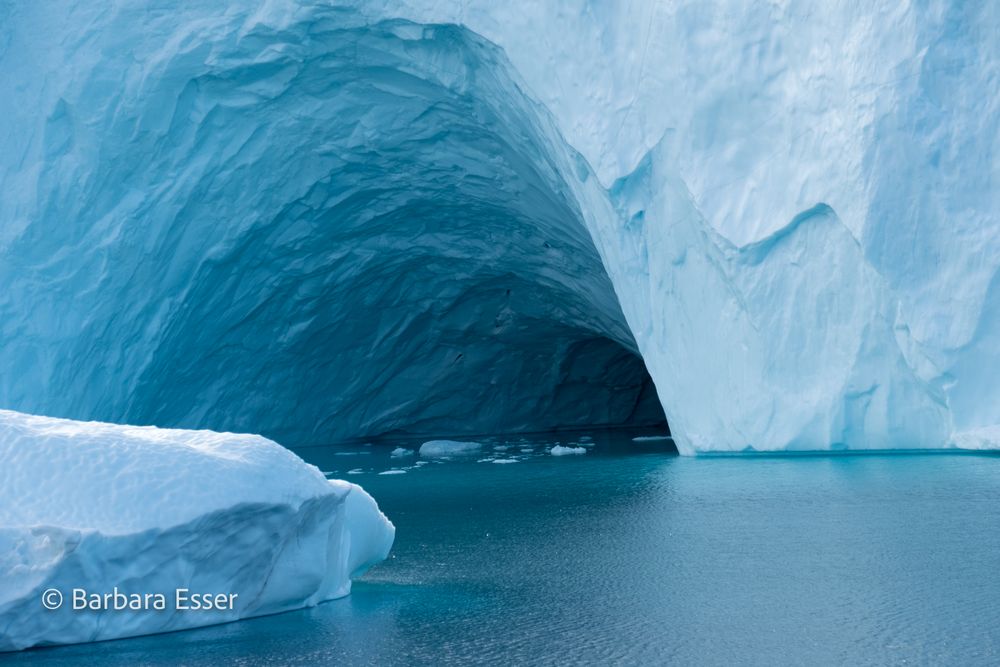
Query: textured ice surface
x=285, y=220
x=93, y=506
x=439, y=448
x=788, y=210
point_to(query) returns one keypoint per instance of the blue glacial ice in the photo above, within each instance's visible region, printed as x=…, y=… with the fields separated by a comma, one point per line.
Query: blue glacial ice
x=773, y=224
x=285, y=218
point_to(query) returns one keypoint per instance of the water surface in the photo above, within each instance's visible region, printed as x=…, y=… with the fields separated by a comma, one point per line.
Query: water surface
x=630, y=554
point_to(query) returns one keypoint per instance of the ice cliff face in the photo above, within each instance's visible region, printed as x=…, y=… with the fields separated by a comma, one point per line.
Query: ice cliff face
x=95, y=506
x=318, y=222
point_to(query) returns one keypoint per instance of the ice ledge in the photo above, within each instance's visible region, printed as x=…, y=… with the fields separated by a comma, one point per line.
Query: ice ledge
x=984, y=438
x=96, y=506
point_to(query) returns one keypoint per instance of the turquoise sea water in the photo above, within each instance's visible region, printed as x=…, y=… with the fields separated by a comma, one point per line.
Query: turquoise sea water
x=630, y=554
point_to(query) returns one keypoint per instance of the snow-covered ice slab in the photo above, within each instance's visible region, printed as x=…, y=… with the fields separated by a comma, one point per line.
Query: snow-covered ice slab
x=94, y=506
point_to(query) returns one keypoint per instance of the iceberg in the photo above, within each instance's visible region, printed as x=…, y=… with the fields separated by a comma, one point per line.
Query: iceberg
x=142, y=511
x=774, y=226
x=562, y=450
x=445, y=448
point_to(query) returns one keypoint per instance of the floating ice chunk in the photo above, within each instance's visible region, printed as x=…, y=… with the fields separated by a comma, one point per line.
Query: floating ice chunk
x=442, y=448
x=559, y=450
x=351, y=453
x=402, y=451
x=92, y=505
x=505, y=461
x=585, y=438
x=356, y=471
x=651, y=438
x=527, y=450
x=394, y=471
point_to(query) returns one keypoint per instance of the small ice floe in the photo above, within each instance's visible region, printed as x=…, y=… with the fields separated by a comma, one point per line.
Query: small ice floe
x=651, y=438
x=356, y=471
x=559, y=450
x=585, y=438
x=527, y=450
x=420, y=463
x=394, y=471
x=350, y=453
x=505, y=460
x=402, y=451
x=501, y=448
x=327, y=473
x=445, y=448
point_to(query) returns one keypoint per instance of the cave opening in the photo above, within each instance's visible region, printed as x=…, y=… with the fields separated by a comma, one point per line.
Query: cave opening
x=368, y=230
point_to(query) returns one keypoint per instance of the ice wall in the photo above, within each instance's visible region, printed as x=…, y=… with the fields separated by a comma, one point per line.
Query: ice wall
x=886, y=113
x=322, y=209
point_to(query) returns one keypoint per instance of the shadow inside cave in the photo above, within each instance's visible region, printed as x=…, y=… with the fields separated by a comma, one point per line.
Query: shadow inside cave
x=372, y=231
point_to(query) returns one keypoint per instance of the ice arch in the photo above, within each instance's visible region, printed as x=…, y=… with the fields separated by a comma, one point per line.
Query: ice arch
x=200, y=201
x=322, y=231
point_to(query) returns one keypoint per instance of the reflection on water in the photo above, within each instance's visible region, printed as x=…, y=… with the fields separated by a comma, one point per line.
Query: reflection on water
x=631, y=554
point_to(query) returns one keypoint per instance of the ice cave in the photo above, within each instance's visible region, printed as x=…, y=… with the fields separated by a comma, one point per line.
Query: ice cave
x=321, y=222
x=281, y=219
x=334, y=235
